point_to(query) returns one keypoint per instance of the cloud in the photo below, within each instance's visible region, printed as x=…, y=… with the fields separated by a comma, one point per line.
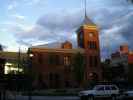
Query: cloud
x=13, y=5
x=60, y=22
x=19, y=17
x=33, y=2
x=49, y=30
x=114, y=19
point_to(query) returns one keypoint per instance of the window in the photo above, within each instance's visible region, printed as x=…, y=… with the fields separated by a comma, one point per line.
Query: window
x=67, y=60
x=67, y=84
x=57, y=59
x=113, y=88
x=92, y=45
x=95, y=61
x=91, y=61
x=107, y=88
x=51, y=76
x=40, y=58
x=81, y=40
x=50, y=59
x=100, y=88
x=54, y=59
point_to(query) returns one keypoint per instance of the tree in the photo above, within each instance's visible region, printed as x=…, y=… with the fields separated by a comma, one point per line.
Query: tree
x=130, y=1
x=107, y=72
x=111, y=73
x=79, y=67
x=130, y=73
x=1, y=48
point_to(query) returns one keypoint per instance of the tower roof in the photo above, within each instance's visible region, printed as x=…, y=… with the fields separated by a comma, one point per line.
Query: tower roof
x=88, y=21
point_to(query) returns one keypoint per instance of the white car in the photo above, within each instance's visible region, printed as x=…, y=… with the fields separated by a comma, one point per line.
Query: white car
x=100, y=91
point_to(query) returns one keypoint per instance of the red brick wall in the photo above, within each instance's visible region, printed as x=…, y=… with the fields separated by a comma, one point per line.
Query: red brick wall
x=90, y=53
x=44, y=68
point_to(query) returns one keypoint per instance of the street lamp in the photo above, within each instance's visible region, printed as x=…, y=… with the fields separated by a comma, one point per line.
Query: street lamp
x=30, y=56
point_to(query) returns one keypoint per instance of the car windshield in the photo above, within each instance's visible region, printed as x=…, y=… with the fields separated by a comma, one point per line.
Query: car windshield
x=90, y=88
x=98, y=87
x=113, y=88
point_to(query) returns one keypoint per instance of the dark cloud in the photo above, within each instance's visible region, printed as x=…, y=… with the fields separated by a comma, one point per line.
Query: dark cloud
x=52, y=27
x=60, y=22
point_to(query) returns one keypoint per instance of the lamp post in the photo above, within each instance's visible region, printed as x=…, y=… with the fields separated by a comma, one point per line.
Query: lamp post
x=30, y=56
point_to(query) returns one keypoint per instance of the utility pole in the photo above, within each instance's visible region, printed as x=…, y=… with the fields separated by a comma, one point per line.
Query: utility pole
x=19, y=57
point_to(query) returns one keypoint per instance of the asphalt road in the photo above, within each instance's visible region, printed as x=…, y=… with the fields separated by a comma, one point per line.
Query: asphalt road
x=56, y=98
x=48, y=98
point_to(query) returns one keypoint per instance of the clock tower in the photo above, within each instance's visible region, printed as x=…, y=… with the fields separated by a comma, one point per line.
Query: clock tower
x=88, y=39
x=87, y=35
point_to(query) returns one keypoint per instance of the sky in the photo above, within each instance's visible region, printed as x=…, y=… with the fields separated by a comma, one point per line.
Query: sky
x=33, y=22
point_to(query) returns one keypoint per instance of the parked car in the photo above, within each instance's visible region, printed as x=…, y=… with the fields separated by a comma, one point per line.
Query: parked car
x=111, y=91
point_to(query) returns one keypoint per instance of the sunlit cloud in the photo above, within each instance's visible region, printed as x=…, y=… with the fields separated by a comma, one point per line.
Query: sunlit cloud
x=19, y=17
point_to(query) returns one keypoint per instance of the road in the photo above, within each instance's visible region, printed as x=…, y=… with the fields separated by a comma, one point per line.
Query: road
x=56, y=98
x=48, y=98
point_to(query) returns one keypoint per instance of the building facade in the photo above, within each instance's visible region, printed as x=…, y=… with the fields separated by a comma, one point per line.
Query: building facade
x=123, y=56
x=53, y=67
x=11, y=62
x=121, y=59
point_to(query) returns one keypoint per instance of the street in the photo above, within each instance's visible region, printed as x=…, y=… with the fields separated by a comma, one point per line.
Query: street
x=56, y=98
x=48, y=98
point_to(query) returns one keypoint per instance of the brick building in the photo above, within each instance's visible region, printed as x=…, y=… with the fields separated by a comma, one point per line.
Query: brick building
x=123, y=56
x=9, y=62
x=53, y=66
x=121, y=59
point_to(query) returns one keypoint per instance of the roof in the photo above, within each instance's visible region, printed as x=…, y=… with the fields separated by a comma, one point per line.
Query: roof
x=67, y=42
x=57, y=50
x=11, y=56
x=88, y=21
x=87, y=24
x=49, y=45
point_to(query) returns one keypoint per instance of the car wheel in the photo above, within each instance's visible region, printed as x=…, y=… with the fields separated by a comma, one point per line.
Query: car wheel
x=113, y=97
x=83, y=98
x=90, y=98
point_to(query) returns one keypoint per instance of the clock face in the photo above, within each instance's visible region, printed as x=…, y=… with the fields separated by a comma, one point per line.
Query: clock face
x=91, y=34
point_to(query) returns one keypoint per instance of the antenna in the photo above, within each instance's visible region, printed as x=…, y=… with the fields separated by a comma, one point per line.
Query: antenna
x=85, y=9
x=86, y=19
